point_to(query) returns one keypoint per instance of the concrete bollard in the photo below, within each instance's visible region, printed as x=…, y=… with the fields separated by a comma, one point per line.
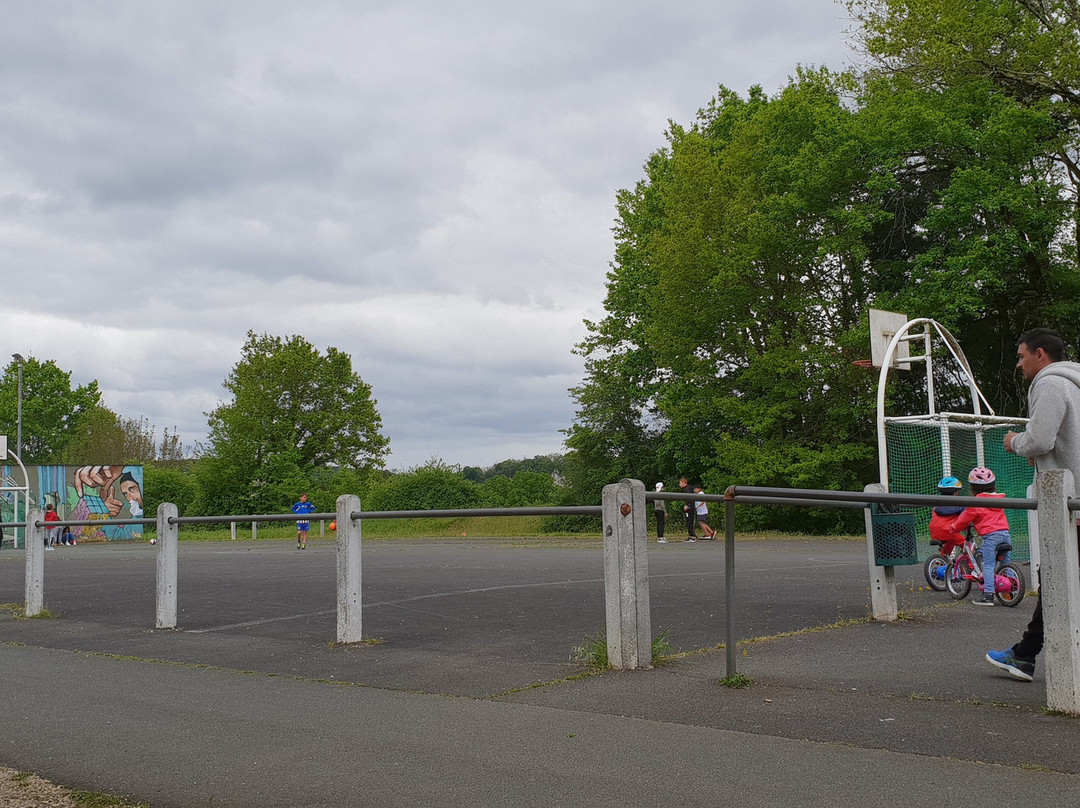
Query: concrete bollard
x=168, y=549
x=626, y=575
x=349, y=605
x=1060, y=591
x=35, y=562
x=883, y=602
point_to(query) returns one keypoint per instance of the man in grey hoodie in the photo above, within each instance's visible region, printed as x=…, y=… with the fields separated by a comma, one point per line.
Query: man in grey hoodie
x=1051, y=441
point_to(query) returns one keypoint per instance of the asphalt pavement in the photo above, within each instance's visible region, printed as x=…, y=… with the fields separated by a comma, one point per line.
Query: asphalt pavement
x=464, y=692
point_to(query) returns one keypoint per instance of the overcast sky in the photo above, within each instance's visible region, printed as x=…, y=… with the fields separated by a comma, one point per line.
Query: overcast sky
x=426, y=185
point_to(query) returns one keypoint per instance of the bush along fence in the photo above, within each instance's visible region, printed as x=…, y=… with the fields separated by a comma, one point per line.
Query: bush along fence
x=626, y=564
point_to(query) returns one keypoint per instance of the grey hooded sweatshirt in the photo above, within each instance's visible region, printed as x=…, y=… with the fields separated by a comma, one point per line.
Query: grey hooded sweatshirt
x=1052, y=436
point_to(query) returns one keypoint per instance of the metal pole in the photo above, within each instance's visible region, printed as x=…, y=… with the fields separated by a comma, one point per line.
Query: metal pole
x=18, y=419
x=729, y=583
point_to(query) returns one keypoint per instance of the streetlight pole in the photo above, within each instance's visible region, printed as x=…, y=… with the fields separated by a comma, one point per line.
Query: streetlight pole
x=18, y=455
x=18, y=419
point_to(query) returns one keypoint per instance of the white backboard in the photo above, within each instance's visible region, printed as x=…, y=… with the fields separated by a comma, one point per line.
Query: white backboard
x=884, y=325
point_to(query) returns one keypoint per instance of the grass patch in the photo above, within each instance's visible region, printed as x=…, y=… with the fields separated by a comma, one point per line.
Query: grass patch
x=96, y=799
x=18, y=612
x=364, y=641
x=593, y=651
x=737, y=681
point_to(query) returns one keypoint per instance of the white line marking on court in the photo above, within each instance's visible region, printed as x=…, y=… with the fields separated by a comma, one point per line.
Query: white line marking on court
x=477, y=591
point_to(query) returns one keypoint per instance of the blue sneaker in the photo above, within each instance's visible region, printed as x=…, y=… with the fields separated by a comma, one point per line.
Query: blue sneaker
x=1022, y=669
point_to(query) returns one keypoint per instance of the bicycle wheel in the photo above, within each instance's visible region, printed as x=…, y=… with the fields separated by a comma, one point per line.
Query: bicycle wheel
x=957, y=577
x=1017, y=585
x=934, y=570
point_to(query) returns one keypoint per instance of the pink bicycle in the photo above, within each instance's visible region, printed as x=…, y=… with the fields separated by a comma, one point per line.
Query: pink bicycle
x=966, y=568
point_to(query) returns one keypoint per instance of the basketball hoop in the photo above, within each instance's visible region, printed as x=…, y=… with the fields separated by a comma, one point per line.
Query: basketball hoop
x=863, y=363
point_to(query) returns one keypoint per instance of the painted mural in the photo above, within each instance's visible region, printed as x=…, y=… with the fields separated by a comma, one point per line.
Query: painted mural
x=100, y=493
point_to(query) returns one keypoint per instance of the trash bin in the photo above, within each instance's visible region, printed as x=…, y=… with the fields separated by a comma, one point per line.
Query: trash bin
x=895, y=541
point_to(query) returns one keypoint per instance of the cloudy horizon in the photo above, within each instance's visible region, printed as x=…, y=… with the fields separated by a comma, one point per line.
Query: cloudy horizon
x=428, y=187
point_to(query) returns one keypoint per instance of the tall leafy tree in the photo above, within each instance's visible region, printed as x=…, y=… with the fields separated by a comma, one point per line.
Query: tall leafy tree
x=979, y=103
x=105, y=437
x=747, y=257
x=52, y=409
x=739, y=277
x=1028, y=50
x=293, y=408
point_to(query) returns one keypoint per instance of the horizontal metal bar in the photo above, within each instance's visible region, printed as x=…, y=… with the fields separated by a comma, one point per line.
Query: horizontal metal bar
x=83, y=523
x=927, y=500
x=568, y=510
x=681, y=497
x=564, y=510
x=804, y=503
x=254, y=517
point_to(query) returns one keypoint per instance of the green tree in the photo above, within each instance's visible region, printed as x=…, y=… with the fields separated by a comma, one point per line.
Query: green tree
x=293, y=409
x=104, y=437
x=435, y=485
x=1028, y=50
x=974, y=111
x=739, y=275
x=169, y=484
x=52, y=409
x=747, y=257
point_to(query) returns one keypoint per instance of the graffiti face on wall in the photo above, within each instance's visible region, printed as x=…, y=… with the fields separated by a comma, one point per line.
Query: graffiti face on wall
x=91, y=493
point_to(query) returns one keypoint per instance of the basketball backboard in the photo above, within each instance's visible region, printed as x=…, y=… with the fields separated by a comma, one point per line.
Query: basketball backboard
x=884, y=325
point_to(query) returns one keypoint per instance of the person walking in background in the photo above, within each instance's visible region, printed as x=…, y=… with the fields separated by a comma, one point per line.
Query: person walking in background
x=1050, y=441
x=701, y=509
x=52, y=534
x=688, y=509
x=303, y=526
x=660, y=508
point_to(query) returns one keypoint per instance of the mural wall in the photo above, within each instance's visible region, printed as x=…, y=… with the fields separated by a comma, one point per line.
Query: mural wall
x=99, y=493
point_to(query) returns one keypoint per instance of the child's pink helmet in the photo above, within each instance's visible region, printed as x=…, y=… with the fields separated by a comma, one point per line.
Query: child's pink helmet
x=980, y=475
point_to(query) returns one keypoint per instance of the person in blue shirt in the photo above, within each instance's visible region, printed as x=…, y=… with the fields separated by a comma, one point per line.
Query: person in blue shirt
x=303, y=526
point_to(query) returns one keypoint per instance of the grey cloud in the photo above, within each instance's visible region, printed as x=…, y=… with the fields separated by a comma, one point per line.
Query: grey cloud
x=427, y=186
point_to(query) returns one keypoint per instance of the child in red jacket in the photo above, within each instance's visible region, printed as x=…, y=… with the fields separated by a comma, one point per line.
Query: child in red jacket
x=52, y=534
x=990, y=524
x=943, y=518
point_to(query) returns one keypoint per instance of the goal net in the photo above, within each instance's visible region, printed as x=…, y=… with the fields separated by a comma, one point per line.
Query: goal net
x=924, y=448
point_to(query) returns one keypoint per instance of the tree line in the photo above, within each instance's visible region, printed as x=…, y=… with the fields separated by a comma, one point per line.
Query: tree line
x=297, y=419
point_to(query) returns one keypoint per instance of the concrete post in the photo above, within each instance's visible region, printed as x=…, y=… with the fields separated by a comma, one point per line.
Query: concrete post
x=1060, y=591
x=35, y=561
x=232, y=530
x=883, y=603
x=349, y=535
x=168, y=549
x=254, y=530
x=626, y=575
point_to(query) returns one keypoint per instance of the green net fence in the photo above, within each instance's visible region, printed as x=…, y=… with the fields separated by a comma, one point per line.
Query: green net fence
x=922, y=451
